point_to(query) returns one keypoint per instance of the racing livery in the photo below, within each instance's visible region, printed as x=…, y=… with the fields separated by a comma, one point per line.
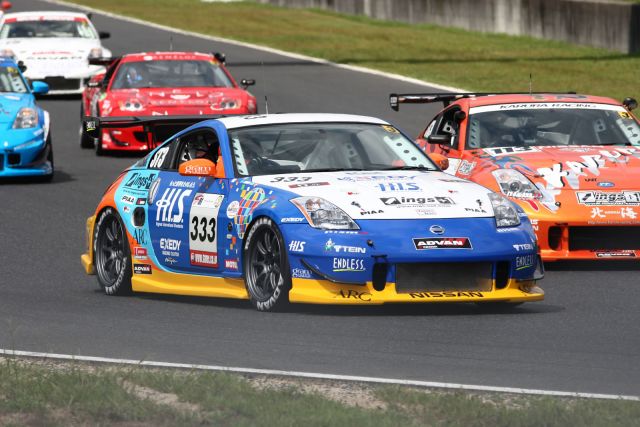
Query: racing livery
x=312, y=208
x=55, y=46
x=24, y=127
x=160, y=83
x=572, y=162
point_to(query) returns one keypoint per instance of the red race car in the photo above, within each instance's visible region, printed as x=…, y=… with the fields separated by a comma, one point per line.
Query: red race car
x=572, y=162
x=160, y=83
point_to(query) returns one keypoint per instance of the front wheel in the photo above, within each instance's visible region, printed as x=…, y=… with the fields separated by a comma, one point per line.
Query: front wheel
x=266, y=266
x=112, y=257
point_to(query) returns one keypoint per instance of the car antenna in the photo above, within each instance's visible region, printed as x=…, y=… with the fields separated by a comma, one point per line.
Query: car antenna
x=530, y=84
x=171, y=43
x=264, y=79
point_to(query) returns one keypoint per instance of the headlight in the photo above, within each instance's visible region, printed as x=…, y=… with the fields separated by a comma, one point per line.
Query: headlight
x=228, y=104
x=513, y=184
x=27, y=118
x=96, y=52
x=323, y=214
x=132, y=105
x=7, y=52
x=505, y=212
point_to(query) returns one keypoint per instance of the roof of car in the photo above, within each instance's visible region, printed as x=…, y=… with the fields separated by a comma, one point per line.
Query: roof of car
x=171, y=55
x=234, y=122
x=44, y=13
x=478, y=101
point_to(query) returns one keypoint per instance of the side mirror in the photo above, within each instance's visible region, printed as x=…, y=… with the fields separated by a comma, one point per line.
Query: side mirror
x=220, y=57
x=245, y=83
x=198, y=167
x=104, y=34
x=630, y=103
x=94, y=83
x=443, y=139
x=440, y=160
x=22, y=67
x=39, y=88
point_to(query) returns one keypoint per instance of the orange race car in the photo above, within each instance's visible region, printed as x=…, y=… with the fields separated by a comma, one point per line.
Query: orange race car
x=572, y=162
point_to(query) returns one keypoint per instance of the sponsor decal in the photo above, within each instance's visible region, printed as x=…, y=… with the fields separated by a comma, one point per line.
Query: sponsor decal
x=128, y=199
x=141, y=202
x=398, y=186
x=602, y=198
x=301, y=273
x=534, y=224
x=344, y=232
x=330, y=246
x=500, y=151
x=418, y=201
x=606, y=184
x=526, y=261
x=308, y=184
x=446, y=294
x=205, y=200
x=353, y=294
x=475, y=210
x=170, y=247
x=232, y=209
x=138, y=181
x=616, y=254
x=466, y=167
x=182, y=184
x=198, y=170
x=170, y=261
x=140, y=253
x=523, y=247
x=140, y=234
x=158, y=158
x=291, y=179
x=623, y=212
x=203, y=258
x=296, y=246
x=425, y=212
x=442, y=243
x=231, y=264
x=343, y=265
x=126, y=209
x=355, y=176
x=525, y=195
x=373, y=212
x=171, y=208
x=290, y=220
x=141, y=269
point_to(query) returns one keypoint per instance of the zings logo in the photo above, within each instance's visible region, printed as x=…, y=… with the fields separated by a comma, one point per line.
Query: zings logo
x=172, y=199
x=442, y=243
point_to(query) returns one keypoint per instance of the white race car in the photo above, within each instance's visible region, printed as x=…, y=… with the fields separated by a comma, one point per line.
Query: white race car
x=55, y=46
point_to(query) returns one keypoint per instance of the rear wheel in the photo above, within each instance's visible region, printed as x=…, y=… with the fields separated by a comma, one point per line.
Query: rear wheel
x=112, y=256
x=266, y=267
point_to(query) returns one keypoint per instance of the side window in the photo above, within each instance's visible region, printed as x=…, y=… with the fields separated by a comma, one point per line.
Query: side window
x=430, y=128
x=200, y=144
x=160, y=158
x=449, y=126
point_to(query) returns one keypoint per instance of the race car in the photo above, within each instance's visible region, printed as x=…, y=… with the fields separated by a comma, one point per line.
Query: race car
x=24, y=127
x=160, y=83
x=55, y=46
x=572, y=162
x=307, y=208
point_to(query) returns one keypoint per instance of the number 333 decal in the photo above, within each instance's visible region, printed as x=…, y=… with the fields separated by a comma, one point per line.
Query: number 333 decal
x=203, y=242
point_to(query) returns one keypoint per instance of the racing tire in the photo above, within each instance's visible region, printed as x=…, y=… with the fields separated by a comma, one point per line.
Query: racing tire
x=112, y=256
x=267, y=274
x=97, y=144
x=49, y=146
x=85, y=141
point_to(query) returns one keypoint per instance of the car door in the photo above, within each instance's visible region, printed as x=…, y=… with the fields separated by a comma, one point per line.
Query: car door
x=183, y=210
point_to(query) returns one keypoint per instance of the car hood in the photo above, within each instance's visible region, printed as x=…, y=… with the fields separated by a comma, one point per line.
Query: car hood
x=34, y=48
x=570, y=167
x=160, y=99
x=11, y=103
x=389, y=194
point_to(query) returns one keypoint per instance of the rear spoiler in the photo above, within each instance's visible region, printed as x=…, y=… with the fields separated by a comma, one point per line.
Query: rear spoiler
x=92, y=126
x=447, y=98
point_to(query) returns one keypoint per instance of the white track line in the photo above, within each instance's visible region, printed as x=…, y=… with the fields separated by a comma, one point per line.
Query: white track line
x=258, y=47
x=350, y=378
x=293, y=373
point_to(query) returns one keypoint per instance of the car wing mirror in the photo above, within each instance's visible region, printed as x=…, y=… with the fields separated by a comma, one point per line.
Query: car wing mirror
x=104, y=35
x=39, y=88
x=94, y=83
x=198, y=167
x=443, y=139
x=245, y=83
x=440, y=160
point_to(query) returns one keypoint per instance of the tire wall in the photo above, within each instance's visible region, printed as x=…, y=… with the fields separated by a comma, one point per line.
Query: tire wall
x=610, y=25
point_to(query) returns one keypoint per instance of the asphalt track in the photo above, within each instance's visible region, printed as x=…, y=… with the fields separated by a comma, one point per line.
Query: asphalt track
x=583, y=338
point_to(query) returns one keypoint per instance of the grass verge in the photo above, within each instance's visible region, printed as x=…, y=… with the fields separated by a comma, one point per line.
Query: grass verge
x=34, y=392
x=474, y=61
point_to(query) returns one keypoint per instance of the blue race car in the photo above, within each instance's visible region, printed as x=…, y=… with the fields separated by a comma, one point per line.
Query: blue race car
x=24, y=126
x=313, y=208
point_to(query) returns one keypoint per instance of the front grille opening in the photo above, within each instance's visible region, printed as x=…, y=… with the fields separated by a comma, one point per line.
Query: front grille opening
x=555, y=238
x=444, y=276
x=502, y=274
x=60, y=83
x=379, y=276
x=607, y=238
x=13, y=159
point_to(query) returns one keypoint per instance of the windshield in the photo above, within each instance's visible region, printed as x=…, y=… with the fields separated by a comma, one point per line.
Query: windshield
x=548, y=124
x=75, y=28
x=170, y=73
x=11, y=80
x=316, y=147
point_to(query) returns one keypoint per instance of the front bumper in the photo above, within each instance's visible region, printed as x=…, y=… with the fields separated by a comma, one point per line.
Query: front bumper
x=29, y=160
x=87, y=258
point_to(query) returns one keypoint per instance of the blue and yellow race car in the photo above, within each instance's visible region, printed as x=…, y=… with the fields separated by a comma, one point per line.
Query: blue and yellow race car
x=25, y=137
x=313, y=208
